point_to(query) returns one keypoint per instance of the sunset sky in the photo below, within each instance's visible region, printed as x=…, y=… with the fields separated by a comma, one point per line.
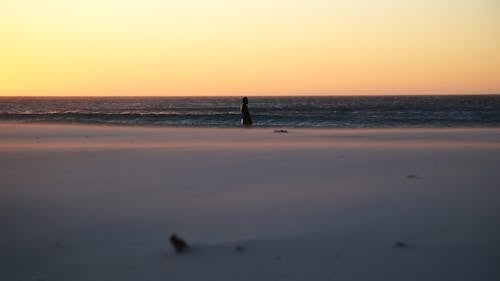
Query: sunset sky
x=253, y=47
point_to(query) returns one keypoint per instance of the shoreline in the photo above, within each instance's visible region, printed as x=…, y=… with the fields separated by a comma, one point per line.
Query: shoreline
x=240, y=127
x=68, y=136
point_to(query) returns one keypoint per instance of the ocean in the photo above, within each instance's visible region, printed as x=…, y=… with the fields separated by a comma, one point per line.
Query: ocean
x=323, y=112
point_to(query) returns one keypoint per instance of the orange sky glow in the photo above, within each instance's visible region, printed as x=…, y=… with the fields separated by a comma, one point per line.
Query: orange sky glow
x=258, y=47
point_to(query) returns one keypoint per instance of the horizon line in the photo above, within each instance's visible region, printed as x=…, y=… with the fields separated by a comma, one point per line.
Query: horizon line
x=249, y=95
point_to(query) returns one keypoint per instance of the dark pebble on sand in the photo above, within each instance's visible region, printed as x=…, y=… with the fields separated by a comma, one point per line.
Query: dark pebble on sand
x=239, y=249
x=400, y=244
x=178, y=243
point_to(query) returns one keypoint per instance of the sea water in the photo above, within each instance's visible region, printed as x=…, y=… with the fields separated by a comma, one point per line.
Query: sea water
x=328, y=112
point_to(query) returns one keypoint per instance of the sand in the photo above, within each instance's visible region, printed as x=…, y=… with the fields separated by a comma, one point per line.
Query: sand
x=99, y=203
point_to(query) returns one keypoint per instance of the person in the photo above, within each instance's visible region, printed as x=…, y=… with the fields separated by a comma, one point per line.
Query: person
x=246, y=119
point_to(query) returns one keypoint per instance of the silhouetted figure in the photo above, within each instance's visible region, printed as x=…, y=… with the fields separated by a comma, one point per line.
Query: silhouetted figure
x=178, y=243
x=246, y=119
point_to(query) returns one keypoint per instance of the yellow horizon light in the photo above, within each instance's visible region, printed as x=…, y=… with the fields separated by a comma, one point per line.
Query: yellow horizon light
x=237, y=47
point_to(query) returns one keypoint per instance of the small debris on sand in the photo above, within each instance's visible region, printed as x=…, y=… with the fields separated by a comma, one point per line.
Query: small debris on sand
x=412, y=177
x=239, y=249
x=281, y=131
x=58, y=244
x=277, y=258
x=178, y=243
x=400, y=244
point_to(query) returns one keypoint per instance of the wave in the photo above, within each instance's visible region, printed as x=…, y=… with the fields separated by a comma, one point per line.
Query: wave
x=336, y=112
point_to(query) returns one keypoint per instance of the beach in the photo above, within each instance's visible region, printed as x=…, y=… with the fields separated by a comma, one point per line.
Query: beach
x=82, y=202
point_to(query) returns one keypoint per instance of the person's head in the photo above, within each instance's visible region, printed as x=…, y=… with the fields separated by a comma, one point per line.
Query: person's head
x=244, y=100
